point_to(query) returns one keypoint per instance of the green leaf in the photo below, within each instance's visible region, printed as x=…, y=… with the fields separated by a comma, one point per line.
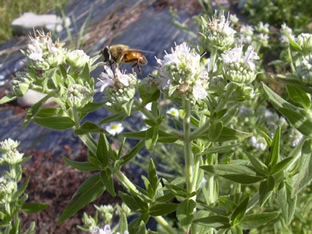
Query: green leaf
x=239, y=213
x=107, y=178
x=89, y=191
x=214, y=221
x=215, y=130
x=299, y=96
x=102, y=150
x=130, y=201
x=266, y=190
x=85, y=74
x=276, y=147
x=132, y=153
x=113, y=118
x=185, y=213
x=304, y=176
x=88, y=127
x=295, y=115
x=281, y=165
x=286, y=203
x=242, y=178
x=257, y=220
x=33, y=111
x=293, y=44
x=81, y=166
x=162, y=209
x=224, y=169
x=151, y=138
x=152, y=178
x=123, y=223
x=34, y=207
x=20, y=190
x=128, y=106
x=229, y=134
x=48, y=112
x=57, y=123
x=7, y=98
x=259, y=166
x=266, y=137
x=90, y=107
x=218, y=149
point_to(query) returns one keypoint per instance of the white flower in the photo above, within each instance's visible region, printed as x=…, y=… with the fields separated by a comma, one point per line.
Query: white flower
x=106, y=79
x=105, y=230
x=235, y=56
x=34, y=50
x=246, y=33
x=181, y=71
x=118, y=80
x=174, y=112
x=8, y=145
x=258, y=143
x=199, y=91
x=233, y=19
x=263, y=28
x=7, y=187
x=114, y=128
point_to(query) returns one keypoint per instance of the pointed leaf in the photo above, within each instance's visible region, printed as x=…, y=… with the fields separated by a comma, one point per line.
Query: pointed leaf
x=257, y=220
x=89, y=191
x=213, y=221
x=266, y=190
x=102, y=150
x=185, y=213
x=7, y=98
x=160, y=209
x=81, y=166
x=34, y=207
x=113, y=118
x=88, y=127
x=215, y=130
x=32, y=112
x=132, y=153
x=299, y=96
x=259, y=166
x=276, y=147
x=107, y=178
x=57, y=123
x=242, y=178
x=304, y=176
x=281, y=165
x=239, y=212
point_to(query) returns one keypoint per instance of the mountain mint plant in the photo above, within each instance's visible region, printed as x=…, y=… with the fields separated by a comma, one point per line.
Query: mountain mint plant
x=203, y=111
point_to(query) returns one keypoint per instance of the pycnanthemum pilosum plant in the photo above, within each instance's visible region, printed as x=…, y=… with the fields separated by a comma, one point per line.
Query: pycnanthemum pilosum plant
x=234, y=167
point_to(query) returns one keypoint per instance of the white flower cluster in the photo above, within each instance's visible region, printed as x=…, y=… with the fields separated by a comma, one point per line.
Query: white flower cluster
x=105, y=230
x=304, y=69
x=286, y=32
x=304, y=40
x=9, y=153
x=118, y=87
x=44, y=54
x=7, y=187
x=259, y=34
x=258, y=143
x=180, y=72
x=218, y=31
x=239, y=66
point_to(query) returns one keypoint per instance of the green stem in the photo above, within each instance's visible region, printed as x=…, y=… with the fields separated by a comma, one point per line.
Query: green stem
x=291, y=61
x=164, y=224
x=296, y=153
x=188, y=155
x=213, y=57
x=126, y=182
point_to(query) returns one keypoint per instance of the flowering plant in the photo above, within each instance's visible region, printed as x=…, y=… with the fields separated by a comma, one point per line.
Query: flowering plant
x=223, y=186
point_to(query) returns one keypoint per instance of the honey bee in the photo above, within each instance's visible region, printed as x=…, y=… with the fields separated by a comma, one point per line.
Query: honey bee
x=119, y=54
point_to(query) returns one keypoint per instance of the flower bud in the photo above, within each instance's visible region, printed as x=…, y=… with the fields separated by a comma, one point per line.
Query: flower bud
x=77, y=58
x=238, y=66
x=218, y=32
x=7, y=187
x=20, y=84
x=78, y=96
x=305, y=42
x=8, y=145
x=304, y=69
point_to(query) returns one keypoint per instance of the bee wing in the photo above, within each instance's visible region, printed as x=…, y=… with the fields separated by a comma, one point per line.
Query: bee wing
x=143, y=51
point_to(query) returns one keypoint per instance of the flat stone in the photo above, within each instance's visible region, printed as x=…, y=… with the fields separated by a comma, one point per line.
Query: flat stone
x=31, y=97
x=30, y=21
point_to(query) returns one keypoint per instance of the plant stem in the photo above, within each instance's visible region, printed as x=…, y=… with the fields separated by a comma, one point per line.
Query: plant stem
x=188, y=155
x=126, y=182
x=164, y=224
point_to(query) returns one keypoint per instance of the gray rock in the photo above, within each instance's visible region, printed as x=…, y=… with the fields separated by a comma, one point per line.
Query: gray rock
x=30, y=21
